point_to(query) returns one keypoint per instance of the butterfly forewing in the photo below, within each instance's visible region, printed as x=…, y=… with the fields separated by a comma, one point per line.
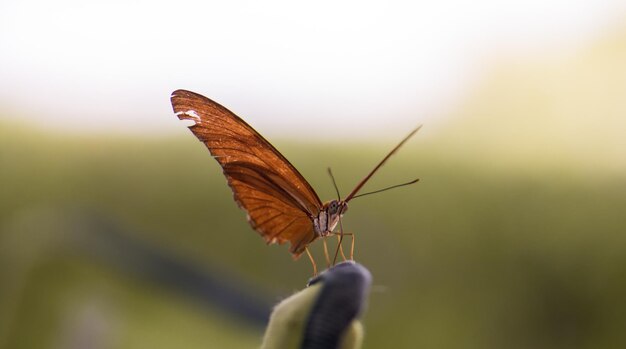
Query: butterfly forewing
x=280, y=203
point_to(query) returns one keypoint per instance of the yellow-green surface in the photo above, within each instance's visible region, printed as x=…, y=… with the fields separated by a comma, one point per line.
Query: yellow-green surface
x=289, y=319
x=514, y=238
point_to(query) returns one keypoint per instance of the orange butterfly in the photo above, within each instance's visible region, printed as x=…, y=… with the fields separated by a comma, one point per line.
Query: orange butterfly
x=281, y=205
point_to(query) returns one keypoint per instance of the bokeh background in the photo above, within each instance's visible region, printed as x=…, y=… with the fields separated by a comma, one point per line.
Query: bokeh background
x=117, y=229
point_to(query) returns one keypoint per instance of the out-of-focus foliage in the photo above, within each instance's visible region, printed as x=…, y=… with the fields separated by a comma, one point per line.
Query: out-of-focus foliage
x=514, y=237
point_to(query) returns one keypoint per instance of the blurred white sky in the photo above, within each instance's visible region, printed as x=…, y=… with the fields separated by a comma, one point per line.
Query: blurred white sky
x=327, y=68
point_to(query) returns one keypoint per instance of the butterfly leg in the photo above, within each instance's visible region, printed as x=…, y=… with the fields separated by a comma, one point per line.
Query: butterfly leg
x=326, y=252
x=343, y=255
x=351, y=245
x=339, y=248
x=312, y=261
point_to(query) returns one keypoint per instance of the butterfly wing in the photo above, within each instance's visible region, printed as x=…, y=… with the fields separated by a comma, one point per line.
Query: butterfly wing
x=279, y=202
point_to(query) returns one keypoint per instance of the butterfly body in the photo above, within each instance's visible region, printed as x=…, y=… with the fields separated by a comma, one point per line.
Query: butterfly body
x=329, y=216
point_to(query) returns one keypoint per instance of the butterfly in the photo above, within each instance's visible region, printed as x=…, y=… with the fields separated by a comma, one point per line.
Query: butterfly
x=280, y=204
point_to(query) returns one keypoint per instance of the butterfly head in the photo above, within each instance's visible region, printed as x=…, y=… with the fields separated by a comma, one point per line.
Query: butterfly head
x=334, y=209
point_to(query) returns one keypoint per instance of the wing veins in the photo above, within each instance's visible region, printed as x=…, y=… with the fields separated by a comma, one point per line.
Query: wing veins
x=270, y=219
x=275, y=234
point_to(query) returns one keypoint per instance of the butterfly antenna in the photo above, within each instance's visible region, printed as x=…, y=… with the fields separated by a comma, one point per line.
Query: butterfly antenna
x=382, y=162
x=330, y=173
x=384, y=189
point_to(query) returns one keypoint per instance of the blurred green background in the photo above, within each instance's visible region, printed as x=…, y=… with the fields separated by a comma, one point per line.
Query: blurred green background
x=513, y=238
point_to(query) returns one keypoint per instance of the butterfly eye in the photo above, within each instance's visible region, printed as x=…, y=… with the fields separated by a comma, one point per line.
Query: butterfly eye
x=332, y=207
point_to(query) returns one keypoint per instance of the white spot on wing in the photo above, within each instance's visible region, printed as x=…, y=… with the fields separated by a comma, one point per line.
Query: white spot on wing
x=189, y=115
x=193, y=114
